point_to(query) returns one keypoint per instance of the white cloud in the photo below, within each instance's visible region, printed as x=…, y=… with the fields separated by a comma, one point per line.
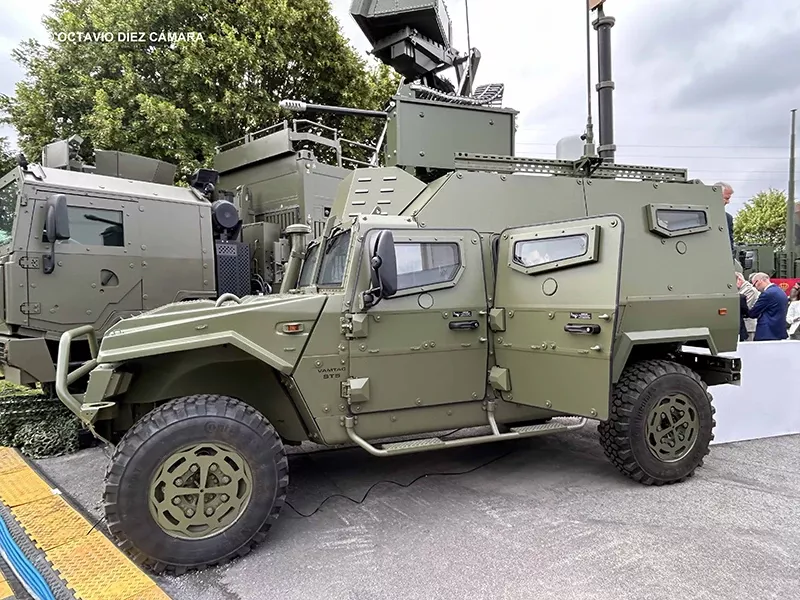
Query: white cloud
x=685, y=74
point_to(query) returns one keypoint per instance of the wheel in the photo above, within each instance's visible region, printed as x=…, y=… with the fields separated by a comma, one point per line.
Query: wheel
x=660, y=424
x=196, y=482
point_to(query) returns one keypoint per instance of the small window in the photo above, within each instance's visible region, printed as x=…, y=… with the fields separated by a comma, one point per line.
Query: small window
x=426, y=263
x=531, y=253
x=334, y=261
x=680, y=220
x=307, y=271
x=96, y=227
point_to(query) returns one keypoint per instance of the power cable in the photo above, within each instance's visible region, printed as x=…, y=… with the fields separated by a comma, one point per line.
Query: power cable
x=403, y=485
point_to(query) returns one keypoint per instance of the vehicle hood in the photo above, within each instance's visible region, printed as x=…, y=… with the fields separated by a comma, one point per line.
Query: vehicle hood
x=256, y=326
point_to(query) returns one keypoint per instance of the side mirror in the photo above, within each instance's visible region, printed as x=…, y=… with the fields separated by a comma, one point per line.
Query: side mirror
x=56, y=227
x=57, y=221
x=383, y=270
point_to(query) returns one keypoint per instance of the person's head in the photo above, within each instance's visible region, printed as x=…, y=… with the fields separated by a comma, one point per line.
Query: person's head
x=760, y=281
x=739, y=279
x=794, y=294
x=727, y=191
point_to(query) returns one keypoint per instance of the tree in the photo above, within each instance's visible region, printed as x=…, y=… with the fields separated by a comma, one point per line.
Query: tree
x=176, y=99
x=7, y=159
x=762, y=220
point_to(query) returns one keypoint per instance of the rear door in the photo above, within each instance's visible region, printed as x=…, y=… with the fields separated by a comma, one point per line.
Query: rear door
x=555, y=312
x=98, y=272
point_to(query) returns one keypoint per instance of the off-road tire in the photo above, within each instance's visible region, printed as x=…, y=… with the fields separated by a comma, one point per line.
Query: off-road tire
x=166, y=429
x=623, y=435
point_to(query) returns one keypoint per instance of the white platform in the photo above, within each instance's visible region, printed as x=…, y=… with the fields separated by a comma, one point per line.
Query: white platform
x=767, y=404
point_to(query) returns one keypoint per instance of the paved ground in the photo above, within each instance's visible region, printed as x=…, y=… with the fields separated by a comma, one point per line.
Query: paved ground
x=551, y=520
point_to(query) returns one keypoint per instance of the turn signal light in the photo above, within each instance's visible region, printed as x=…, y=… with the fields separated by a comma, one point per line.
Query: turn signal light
x=723, y=311
x=293, y=328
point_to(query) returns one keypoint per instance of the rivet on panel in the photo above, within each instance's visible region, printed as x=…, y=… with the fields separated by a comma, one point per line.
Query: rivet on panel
x=445, y=315
x=474, y=241
x=593, y=412
x=669, y=287
x=548, y=404
x=393, y=418
x=362, y=347
x=318, y=363
x=459, y=175
x=419, y=401
x=475, y=395
x=433, y=344
x=551, y=315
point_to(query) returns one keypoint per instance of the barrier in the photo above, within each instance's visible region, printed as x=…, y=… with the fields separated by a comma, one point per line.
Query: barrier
x=767, y=403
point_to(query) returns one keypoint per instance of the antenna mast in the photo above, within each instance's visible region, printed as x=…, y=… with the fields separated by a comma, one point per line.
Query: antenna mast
x=790, y=208
x=588, y=136
x=469, y=44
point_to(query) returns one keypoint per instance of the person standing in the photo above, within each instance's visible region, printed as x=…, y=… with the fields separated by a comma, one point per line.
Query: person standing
x=727, y=192
x=750, y=294
x=770, y=309
x=793, y=314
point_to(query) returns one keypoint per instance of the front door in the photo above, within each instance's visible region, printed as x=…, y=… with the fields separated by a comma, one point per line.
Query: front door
x=427, y=345
x=98, y=272
x=555, y=314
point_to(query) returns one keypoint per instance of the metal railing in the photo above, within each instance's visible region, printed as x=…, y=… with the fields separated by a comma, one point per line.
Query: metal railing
x=65, y=377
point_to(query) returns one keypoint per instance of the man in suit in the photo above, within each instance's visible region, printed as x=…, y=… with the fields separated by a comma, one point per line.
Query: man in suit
x=727, y=192
x=770, y=309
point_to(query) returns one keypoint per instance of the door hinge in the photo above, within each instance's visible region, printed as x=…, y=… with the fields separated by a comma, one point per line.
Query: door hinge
x=355, y=390
x=355, y=325
x=29, y=262
x=30, y=308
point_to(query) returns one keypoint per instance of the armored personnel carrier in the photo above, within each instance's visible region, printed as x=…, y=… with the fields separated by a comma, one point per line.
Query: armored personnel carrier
x=454, y=286
x=91, y=244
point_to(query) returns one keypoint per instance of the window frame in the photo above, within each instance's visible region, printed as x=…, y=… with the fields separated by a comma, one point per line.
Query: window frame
x=73, y=208
x=655, y=227
x=592, y=233
x=321, y=261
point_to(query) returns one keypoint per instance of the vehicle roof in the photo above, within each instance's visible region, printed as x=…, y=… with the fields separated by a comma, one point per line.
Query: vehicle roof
x=76, y=180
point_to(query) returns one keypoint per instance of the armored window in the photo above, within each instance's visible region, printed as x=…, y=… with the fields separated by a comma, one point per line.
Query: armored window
x=680, y=220
x=310, y=261
x=334, y=261
x=532, y=253
x=426, y=263
x=96, y=226
x=8, y=209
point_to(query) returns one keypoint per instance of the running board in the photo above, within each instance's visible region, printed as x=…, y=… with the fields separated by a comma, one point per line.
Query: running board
x=556, y=425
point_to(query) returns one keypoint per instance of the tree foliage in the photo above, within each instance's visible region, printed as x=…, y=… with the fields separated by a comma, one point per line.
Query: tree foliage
x=762, y=220
x=176, y=100
x=7, y=159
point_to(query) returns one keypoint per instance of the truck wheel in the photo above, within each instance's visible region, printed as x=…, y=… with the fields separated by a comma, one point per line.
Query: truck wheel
x=660, y=424
x=196, y=482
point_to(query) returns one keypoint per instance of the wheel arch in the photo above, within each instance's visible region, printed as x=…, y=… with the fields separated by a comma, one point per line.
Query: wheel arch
x=640, y=345
x=221, y=370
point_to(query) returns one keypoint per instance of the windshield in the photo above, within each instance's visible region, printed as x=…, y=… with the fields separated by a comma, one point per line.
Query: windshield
x=334, y=261
x=8, y=209
x=307, y=271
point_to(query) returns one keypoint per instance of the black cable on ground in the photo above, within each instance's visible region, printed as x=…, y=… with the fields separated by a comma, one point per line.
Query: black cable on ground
x=403, y=485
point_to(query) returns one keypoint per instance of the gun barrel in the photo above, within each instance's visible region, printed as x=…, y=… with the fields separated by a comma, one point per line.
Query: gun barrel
x=298, y=106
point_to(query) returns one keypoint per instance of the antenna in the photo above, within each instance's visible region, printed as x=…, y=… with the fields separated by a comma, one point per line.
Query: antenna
x=588, y=136
x=790, y=205
x=469, y=44
x=605, y=85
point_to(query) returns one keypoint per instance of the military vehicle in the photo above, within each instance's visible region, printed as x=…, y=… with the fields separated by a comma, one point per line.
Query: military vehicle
x=91, y=244
x=454, y=286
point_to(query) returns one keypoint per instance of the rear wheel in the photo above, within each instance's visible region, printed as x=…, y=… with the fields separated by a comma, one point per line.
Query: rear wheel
x=195, y=483
x=660, y=424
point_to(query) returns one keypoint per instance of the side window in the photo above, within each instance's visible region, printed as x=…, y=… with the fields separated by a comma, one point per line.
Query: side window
x=96, y=226
x=426, y=263
x=531, y=253
x=670, y=220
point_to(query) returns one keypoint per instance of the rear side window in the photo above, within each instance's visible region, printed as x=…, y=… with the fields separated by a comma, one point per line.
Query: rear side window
x=680, y=220
x=426, y=263
x=96, y=226
x=531, y=253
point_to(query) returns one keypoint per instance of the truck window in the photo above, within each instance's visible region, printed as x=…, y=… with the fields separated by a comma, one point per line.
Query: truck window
x=679, y=220
x=307, y=272
x=426, y=263
x=530, y=253
x=96, y=226
x=334, y=261
x=8, y=210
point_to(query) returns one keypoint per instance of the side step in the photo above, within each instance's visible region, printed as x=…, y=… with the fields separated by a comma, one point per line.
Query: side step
x=556, y=425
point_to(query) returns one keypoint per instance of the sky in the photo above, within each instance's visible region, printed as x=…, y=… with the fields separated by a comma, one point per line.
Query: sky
x=704, y=85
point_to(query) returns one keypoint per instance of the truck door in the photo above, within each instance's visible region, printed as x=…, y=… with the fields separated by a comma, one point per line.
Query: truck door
x=98, y=273
x=555, y=314
x=427, y=345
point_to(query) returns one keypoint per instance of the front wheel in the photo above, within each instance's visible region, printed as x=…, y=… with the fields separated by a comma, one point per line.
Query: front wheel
x=195, y=483
x=660, y=424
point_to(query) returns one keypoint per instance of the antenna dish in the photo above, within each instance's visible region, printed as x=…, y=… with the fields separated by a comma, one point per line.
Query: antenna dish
x=570, y=148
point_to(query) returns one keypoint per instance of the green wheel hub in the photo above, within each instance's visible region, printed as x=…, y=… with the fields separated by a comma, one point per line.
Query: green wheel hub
x=200, y=491
x=672, y=427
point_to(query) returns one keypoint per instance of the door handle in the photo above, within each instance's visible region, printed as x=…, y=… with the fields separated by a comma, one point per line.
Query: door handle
x=467, y=325
x=590, y=329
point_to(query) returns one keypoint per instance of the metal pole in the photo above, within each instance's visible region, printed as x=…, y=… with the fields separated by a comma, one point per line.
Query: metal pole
x=605, y=85
x=791, y=242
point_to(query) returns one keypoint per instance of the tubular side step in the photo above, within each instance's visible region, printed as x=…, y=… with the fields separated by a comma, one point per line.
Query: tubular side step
x=435, y=443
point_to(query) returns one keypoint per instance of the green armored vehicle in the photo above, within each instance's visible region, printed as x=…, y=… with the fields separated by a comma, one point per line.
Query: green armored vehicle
x=91, y=244
x=455, y=286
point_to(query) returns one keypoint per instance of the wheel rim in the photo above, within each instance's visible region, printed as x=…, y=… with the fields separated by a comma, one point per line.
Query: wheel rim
x=200, y=491
x=672, y=427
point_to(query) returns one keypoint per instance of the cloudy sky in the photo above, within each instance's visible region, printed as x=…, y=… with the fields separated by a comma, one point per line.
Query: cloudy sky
x=701, y=84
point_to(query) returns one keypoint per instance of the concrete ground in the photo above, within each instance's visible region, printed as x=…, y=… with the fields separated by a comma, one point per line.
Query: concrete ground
x=553, y=519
